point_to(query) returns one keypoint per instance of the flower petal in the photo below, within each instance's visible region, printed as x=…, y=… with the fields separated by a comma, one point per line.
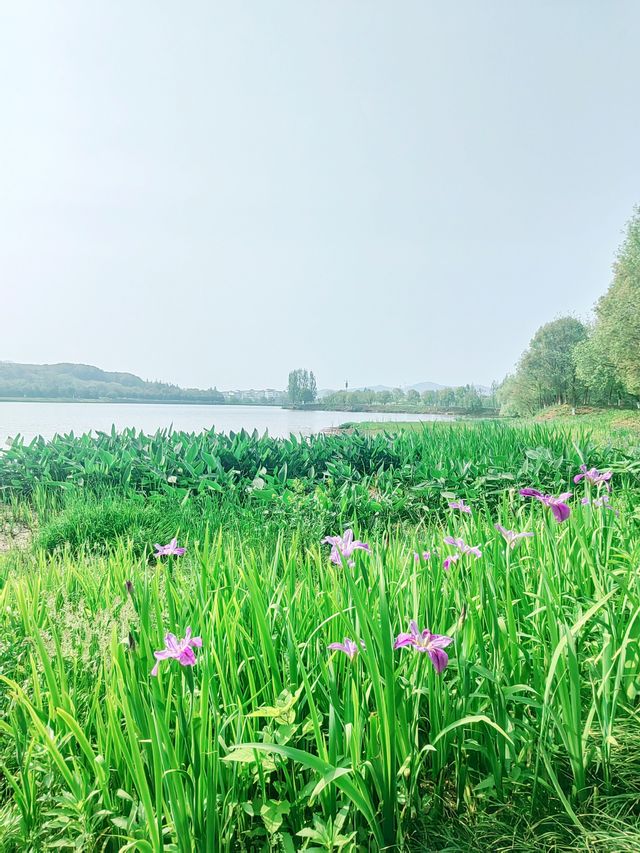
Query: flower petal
x=439, y=659
x=187, y=657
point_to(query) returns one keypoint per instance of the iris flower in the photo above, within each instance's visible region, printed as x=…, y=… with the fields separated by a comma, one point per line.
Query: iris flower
x=510, y=536
x=170, y=550
x=462, y=546
x=593, y=476
x=558, y=506
x=344, y=546
x=426, y=555
x=425, y=641
x=180, y=650
x=348, y=647
x=601, y=502
x=447, y=562
x=461, y=505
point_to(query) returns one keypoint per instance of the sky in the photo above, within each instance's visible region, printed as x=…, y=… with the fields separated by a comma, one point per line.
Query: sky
x=215, y=193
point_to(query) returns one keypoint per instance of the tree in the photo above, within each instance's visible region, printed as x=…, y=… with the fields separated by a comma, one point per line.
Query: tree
x=546, y=372
x=302, y=387
x=294, y=391
x=617, y=329
x=469, y=398
x=597, y=372
x=313, y=387
x=517, y=396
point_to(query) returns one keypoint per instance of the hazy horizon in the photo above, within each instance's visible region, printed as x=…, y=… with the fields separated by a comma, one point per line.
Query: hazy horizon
x=217, y=194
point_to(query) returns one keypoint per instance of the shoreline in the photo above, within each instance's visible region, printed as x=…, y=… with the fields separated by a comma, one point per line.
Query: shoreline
x=133, y=401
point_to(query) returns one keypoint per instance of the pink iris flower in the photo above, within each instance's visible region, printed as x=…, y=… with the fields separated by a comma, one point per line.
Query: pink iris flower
x=461, y=505
x=180, y=650
x=510, y=536
x=348, y=647
x=462, y=549
x=593, y=476
x=462, y=546
x=169, y=550
x=344, y=546
x=425, y=641
x=426, y=555
x=558, y=506
x=449, y=561
x=601, y=502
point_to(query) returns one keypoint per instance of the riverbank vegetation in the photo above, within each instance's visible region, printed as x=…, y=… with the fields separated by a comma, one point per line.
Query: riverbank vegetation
x=618, y=426
x=298, y=706
x=569, y=362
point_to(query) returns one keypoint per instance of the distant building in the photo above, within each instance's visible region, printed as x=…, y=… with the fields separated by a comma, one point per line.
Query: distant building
x=254, y=395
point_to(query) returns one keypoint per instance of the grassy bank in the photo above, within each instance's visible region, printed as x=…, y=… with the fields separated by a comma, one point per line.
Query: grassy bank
x=526, y=740
x=605, y=425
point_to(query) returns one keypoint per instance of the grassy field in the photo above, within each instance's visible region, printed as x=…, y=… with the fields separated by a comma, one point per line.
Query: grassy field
x=623, y=425
x=258, y=736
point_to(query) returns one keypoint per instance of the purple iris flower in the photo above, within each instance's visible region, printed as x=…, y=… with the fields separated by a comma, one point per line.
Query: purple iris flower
x=448, y=561
x=462, y=546
x=510, y=536
x=426, y=555
x=180, y=650
x=425, y=641
x=602, y=503
x=348, y=647
x=344, y=546
x=170, y=550
x=593, y=476
x=558, y=506
x=461, y=505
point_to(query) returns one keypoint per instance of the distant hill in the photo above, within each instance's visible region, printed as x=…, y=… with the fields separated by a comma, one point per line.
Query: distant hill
x=424, y=386
x=86, y=382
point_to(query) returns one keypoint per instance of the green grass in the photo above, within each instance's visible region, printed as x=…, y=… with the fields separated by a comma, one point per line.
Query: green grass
x=529, y=739
x=383, y=426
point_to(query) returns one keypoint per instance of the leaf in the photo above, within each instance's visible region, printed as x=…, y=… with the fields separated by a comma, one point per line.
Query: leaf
x=272, y=812
x=470, y=721
x=351, y=787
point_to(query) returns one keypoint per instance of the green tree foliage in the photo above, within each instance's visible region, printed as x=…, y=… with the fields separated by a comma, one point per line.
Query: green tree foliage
x=568, y=363
x=546, y=372
x=302, y=388
x=517, y=395
x=465, y=398
x=597, y=373
x=618, y=312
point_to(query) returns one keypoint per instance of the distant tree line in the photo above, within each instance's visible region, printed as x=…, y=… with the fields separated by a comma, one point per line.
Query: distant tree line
x=577, y=364
x=464, y=397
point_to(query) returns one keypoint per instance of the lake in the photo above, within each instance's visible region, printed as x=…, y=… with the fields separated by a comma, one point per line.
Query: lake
x=47, y=419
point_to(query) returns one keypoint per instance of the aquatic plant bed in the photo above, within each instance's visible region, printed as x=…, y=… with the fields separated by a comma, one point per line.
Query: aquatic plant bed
x=359, y=642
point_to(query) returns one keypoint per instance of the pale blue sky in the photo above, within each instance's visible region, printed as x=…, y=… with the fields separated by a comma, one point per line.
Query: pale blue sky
x=214, y=193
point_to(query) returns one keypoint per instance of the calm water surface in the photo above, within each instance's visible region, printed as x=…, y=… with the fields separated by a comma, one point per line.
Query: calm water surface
x=47, y=419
